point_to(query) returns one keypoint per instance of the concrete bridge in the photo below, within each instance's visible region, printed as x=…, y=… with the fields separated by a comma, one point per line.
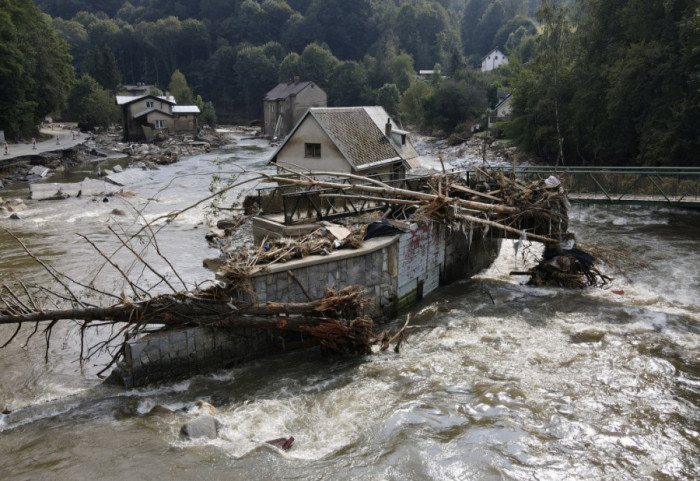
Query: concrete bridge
x=646, y=186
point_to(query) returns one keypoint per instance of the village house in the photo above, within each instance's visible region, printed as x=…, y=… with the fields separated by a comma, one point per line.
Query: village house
x=144, y=115
x=358, y=140
x=502, y=109
x=287, y=102
x=492, y=60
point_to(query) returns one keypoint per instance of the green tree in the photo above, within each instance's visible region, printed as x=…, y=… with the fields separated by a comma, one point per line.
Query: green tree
x=256, y=75
x=317, y=63
x=402, y=71
x=422, y=28
x=92, y=105
x=179, y=89
x=388, y=97
x=208, y=115
x=453, y=102
x=542, y=87
x=344, y=26
x=35, y=72
x=413, y=100
x=473, y=11
x=489, y=24
x=349, y=85
x=289, y=68
x=102, y=66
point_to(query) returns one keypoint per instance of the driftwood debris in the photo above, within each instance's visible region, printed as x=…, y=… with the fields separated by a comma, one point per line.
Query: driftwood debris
x=337, y=322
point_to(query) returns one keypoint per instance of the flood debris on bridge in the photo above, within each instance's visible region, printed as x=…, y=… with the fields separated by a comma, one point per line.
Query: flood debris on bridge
x=496, y=204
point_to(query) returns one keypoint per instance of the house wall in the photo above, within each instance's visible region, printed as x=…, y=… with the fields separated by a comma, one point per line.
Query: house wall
x=493, y=60
x=292, y=154
x=185, y=123
x=271, y=110
x=311, y=96
x=504, y=109
x=153, y=116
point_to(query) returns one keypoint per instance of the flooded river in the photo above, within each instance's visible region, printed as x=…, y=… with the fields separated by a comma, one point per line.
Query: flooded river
x=513, y=383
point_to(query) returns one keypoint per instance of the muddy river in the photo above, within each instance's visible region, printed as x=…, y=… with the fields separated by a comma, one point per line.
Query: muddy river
x=513, y=383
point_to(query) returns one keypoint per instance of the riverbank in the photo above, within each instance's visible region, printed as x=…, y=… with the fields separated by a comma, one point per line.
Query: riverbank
x=95, y=146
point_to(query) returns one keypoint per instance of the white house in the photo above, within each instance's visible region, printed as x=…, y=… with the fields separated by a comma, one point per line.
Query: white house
x=492, y=60
x=502, y=109
x=358, y=140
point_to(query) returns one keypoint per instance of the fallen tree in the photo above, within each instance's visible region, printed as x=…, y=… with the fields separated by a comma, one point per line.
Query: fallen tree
x=337, y=321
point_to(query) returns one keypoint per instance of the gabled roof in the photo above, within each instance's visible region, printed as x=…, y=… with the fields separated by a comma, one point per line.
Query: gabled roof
x=127, y=99
x=185, y=109
x=285, y=89
x=492, y=51
x=152, y=109
x=358, y=133
x=502, y=102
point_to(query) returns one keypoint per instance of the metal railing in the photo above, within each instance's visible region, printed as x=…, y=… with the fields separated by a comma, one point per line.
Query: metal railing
x=309, y=203
x=654, y=186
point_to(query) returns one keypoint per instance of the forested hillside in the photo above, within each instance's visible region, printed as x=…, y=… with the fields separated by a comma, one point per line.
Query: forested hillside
x=233, y=51
x=593, y=81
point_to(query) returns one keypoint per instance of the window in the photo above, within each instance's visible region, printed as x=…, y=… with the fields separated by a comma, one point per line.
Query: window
x=312, y=150
x=149, y=105
x=160, y=124
x=496, y=57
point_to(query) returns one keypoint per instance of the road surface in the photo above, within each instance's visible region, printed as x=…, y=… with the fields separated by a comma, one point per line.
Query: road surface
x=65, y=141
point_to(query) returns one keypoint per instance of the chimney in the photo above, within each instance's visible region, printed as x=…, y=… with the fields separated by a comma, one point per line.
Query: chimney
x=387, y=128
x=296, y=80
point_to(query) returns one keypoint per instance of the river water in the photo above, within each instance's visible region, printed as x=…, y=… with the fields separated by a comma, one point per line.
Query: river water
x=513, y=382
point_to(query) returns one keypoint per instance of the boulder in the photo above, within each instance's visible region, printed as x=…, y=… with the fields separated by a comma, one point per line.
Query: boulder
x=205, y=407
x=214, y=233
x=15, y=216
x=205, y=426
x=119, y=212
x=160, y=411
x=213, y=264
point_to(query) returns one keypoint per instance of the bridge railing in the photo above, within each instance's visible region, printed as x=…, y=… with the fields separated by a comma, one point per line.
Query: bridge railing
x=674, y=186
x=301, y=204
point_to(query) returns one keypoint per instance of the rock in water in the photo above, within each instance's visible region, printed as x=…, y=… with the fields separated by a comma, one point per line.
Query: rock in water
x=202, y=427
x=285, y=444
x=205, y=407
x=160, y=411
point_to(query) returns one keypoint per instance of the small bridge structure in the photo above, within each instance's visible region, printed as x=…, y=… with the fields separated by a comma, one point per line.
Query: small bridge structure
x=642, y=186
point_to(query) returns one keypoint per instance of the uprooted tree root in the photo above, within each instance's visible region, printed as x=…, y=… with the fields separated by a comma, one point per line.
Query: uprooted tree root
x=566, y=271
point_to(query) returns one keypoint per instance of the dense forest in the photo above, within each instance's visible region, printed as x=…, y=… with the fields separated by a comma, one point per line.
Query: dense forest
x=593, y=81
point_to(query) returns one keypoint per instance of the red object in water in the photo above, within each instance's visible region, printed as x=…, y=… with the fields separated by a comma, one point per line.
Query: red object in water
x=619, y=292
x=283, y=443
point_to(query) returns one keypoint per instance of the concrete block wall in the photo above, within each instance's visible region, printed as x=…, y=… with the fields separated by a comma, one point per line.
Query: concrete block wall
x=421, y=255
x=395, y=271
x=376, y=270
x=184, y=352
